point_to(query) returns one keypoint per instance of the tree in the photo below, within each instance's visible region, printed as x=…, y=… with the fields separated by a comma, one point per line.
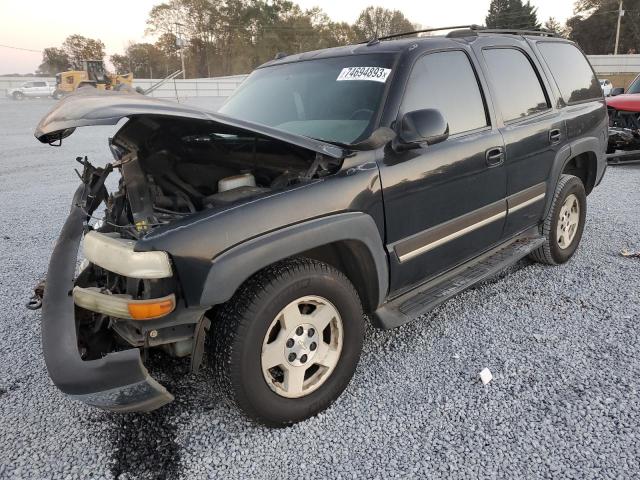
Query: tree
x=375, y=22
x=593, y=26
x=234, y=36
x=79, y=48
x=54, y=60
x=144, y=60
x=167, y=45
x=512, y=14
x=554, y=26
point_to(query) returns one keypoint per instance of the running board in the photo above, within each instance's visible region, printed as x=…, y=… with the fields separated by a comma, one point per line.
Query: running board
x=431, y=294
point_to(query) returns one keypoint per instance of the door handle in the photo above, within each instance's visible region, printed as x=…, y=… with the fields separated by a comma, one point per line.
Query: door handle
x=495, y=156
x=554, y=136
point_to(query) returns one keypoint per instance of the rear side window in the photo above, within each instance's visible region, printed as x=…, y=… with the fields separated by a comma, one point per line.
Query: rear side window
x=446, y=81
x=572, y=72
x=517, y=86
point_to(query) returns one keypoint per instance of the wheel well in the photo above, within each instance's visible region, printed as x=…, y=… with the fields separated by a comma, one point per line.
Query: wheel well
x=354, y=260
x=585, y=167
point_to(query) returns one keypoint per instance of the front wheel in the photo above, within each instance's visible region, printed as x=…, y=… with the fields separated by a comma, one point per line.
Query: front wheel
x=18, y=96
x=564, y=224
x=287, y=344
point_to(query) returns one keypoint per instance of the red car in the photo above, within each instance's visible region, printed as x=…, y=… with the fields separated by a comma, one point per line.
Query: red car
x=624, y=124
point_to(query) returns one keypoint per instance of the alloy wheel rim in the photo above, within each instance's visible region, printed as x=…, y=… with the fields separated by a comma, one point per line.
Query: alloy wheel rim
x=568, y=221
x=302, y=346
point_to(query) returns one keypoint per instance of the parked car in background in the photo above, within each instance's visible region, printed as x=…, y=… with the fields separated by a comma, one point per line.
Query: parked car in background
x=31, y=89
x=624, y=124
x=606, y=86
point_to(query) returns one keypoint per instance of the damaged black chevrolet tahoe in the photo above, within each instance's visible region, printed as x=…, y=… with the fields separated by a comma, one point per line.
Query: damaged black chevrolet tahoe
x=376, y=179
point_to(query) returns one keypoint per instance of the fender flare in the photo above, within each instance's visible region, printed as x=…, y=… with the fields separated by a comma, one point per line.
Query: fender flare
x=230, y=269
x=568, y=152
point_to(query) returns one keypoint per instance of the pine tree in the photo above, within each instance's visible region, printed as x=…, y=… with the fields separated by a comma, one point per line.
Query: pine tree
x=554, y=26
x=512, y=14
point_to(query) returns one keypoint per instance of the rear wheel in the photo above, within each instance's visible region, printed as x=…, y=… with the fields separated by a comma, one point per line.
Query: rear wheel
x=564, y=224
x=287, y=344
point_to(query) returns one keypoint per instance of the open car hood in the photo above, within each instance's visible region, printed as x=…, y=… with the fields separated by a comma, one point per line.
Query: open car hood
x=627, y=102
x=85, y=108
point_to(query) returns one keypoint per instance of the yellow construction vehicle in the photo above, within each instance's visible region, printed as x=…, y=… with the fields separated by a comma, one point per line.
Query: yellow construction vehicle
x=93, y=74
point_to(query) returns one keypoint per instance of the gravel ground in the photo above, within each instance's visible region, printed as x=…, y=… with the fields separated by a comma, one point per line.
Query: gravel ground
x=561, y=343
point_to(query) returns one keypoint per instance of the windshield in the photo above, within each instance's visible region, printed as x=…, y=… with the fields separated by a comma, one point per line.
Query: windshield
x=332, y=99
x=635, y=86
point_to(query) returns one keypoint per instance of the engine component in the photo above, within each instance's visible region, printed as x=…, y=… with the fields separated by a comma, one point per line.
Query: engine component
x=236, y=181
x=230, y=196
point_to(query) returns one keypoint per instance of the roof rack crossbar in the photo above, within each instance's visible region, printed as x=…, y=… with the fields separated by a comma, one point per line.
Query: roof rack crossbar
x=542, y=32
x=425, y=30
x=458, y=29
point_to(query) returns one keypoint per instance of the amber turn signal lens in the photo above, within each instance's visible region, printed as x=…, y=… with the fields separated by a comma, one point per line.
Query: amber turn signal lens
x=151, y=310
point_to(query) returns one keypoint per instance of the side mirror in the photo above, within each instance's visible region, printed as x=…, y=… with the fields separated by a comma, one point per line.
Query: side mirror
x=422, y=126
x=617, y=91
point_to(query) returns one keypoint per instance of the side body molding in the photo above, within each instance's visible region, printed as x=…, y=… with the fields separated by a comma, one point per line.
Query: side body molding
x=231, y=268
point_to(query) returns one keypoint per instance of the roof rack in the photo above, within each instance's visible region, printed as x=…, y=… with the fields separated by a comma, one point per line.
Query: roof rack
x=429, y=30
x=514, y=31
x=465, y=31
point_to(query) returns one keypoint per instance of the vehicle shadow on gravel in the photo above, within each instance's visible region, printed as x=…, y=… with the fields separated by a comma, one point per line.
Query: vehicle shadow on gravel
x=146, y=445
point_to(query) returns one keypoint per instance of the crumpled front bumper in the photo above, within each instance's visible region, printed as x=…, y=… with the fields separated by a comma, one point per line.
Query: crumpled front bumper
x=118, y=381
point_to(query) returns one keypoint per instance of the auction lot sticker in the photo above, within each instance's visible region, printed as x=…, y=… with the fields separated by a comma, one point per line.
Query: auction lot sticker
x=375, y=74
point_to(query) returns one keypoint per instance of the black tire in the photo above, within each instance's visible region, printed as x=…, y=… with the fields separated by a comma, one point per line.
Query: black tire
x=550, y=252
x=57, y=95
x=240, y=326
x=18, y=96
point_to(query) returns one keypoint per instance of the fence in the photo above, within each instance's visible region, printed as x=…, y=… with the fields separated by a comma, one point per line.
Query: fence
x=198, y=87
x=620, y=69
x=220, y=87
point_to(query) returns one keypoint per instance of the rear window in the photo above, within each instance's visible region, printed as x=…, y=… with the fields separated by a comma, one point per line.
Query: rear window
x=571, y=70
x=518, y=88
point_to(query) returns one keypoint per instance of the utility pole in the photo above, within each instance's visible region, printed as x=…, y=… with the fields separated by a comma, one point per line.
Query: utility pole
x=620, y=15
x=180, y=44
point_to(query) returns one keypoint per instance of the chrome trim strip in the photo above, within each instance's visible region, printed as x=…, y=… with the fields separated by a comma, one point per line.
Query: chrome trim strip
x=525, y=195
x=527, y=203
x=438, y=235
x=452, y=236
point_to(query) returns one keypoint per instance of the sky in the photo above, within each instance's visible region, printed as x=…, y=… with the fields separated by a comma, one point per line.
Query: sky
x=37, y=24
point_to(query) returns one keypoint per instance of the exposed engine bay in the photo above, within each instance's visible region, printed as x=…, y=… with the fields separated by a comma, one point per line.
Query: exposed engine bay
x=170, y=168
x=624, y=136
x=173, y=167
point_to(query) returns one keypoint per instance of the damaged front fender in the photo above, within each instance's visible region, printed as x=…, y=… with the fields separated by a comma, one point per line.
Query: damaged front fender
x=118, y=381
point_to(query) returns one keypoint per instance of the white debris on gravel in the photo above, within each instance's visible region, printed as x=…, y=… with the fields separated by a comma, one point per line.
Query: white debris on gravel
x=563, y=341
x=485, y=376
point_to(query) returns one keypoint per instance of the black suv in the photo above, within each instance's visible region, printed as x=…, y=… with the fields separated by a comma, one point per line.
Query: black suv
x=379, y=178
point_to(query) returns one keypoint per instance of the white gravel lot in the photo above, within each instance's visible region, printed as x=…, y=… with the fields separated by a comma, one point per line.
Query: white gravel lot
x=561, y=342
